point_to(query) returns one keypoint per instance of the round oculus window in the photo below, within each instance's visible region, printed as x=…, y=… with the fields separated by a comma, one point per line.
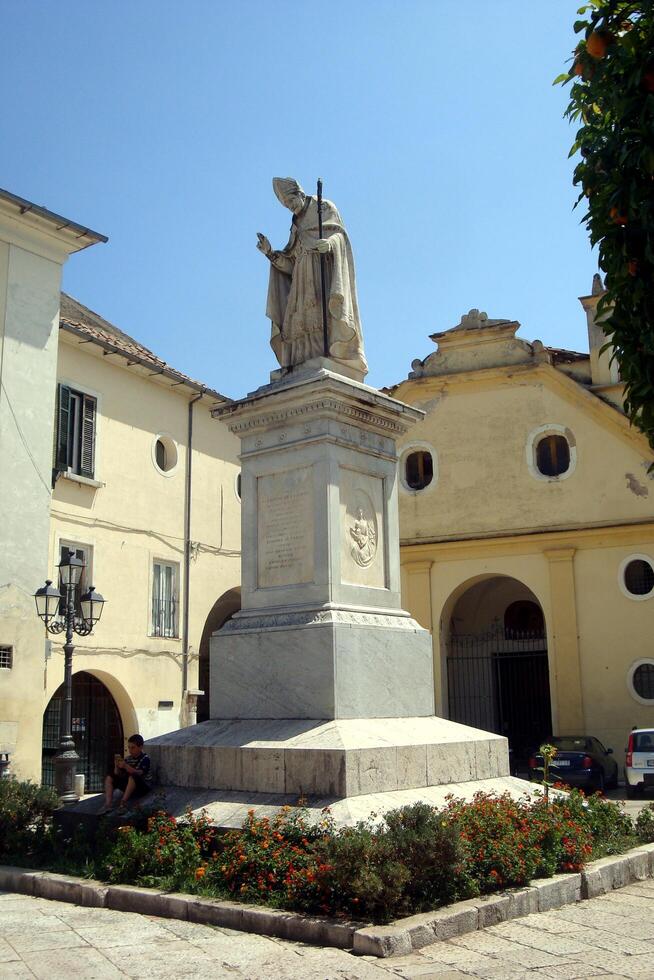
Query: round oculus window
x=553, y=455
x=642, y=680
x=638, y=576
x=418, y=469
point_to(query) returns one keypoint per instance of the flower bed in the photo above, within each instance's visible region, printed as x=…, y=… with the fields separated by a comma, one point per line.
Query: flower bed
x=412, y=860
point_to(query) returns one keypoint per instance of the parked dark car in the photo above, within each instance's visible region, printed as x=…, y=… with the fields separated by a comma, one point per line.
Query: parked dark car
x=580, y=760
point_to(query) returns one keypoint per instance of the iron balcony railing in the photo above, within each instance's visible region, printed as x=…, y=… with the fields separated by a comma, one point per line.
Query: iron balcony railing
x=164, y=617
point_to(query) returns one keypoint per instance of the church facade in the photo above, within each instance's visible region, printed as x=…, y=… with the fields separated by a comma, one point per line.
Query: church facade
x=527, y=535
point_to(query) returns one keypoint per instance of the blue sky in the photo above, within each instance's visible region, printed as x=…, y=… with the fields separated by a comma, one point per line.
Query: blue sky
x=433, y=123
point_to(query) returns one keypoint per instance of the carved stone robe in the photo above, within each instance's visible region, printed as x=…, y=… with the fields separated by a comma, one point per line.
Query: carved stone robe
x=294, y=299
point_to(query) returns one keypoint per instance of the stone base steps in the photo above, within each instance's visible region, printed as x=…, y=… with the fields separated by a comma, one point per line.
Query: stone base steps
x=228, y=810
x=337, y=759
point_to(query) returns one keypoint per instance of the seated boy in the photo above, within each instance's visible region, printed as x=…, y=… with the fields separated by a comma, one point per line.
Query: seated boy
x=131, y=775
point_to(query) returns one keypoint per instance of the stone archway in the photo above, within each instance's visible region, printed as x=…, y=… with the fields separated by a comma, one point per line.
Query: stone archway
x=97, y=730
x=222, y=610
x=496, y=669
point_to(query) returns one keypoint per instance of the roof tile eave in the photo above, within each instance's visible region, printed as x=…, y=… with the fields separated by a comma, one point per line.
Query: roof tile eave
x=79, y=319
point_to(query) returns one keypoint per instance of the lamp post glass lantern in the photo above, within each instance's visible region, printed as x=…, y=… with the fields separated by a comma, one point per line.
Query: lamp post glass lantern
x=60, y=613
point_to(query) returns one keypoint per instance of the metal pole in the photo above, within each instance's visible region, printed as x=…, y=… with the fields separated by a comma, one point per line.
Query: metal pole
x=187, y=551
x=323, y=288
x=66, y=760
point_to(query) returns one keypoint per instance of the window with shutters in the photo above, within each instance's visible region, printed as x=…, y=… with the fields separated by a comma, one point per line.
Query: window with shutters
x=75, y=432
x=165, y=576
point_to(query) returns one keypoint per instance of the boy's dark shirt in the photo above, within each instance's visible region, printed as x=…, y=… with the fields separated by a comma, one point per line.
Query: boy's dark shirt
x=142, y=763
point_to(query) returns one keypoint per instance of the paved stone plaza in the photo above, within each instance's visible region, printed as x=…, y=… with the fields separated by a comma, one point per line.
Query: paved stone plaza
x=611, y=936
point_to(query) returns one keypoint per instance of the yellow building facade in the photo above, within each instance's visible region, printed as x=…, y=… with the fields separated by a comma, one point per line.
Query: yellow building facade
x=109, y=452
x=156, y=518
x=527, y=535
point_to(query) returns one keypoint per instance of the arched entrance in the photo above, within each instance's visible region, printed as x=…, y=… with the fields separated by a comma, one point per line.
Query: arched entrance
x=497, y=669
x=222, y=610
x=97, y=730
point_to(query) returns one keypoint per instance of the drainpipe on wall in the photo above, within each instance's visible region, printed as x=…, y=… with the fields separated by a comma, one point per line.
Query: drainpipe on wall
x=187, y=554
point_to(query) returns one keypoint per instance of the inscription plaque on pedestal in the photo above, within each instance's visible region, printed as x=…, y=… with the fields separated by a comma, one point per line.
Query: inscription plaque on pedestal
x=285, y=528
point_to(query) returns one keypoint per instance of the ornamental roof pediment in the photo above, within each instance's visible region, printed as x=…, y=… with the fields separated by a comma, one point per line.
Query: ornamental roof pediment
x=475, y=343
x=478, y=342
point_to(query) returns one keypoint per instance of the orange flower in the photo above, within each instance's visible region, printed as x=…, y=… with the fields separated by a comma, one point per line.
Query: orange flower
x=200, y=873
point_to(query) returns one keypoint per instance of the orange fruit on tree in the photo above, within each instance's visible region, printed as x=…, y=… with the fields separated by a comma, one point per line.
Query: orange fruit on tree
x=616, y=217
x=597, y=43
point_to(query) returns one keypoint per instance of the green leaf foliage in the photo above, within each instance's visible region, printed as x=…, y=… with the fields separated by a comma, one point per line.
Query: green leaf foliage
x=612, y=97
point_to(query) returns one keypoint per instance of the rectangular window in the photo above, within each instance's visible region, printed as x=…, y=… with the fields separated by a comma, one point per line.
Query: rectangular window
x=164, y=598
x=6, y=658
x=75, y=432
x=85, y=552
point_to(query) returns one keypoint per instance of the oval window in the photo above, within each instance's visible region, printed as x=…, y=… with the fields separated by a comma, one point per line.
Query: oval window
x=639, y=577
x=418, y=469
x=164, y=454
x=643, y=681
x=160, y=454
x=238, y=485
x=553, y=455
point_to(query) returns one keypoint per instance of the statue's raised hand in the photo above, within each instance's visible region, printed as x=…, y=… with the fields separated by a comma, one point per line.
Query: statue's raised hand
x=322, y=245
x=263, y=244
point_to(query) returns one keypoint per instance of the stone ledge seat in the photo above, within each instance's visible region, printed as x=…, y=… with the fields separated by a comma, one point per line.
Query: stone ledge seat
x=228, y=810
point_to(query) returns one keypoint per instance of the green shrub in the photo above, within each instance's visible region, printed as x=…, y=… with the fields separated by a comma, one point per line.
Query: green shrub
x=276, y=861
x=507, y=842
x=414, y=859
x=409, y=862
x=169, y=853
x=611, y=829
x=645, y=824
x=25, y=815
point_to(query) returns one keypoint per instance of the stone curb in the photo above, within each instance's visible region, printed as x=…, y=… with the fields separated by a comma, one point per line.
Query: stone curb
x=397, y=939
x=191, y=908
x=541, y=895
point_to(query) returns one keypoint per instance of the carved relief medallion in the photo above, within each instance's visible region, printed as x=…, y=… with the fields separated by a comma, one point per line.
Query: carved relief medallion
x=362, y=529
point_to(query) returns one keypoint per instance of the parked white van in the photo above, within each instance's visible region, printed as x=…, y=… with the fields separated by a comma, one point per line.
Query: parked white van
x=639, y=762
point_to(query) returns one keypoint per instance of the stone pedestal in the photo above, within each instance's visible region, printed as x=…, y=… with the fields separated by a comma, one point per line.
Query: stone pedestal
x=322, y=685
x=321, y=633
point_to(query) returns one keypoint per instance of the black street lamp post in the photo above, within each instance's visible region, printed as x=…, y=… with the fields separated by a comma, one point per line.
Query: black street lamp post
x=59, y=612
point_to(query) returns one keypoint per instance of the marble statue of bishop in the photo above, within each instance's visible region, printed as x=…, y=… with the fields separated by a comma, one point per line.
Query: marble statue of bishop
x=294, y=293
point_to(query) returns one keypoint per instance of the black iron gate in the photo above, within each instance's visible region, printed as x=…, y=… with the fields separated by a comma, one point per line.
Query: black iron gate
x=97, y=730
x=499, y=681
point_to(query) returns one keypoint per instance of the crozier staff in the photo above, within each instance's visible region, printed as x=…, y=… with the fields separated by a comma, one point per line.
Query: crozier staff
x=295, y=296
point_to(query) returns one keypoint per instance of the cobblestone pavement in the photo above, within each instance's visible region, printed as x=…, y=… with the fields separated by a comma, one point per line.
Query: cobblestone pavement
x=611, y=936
